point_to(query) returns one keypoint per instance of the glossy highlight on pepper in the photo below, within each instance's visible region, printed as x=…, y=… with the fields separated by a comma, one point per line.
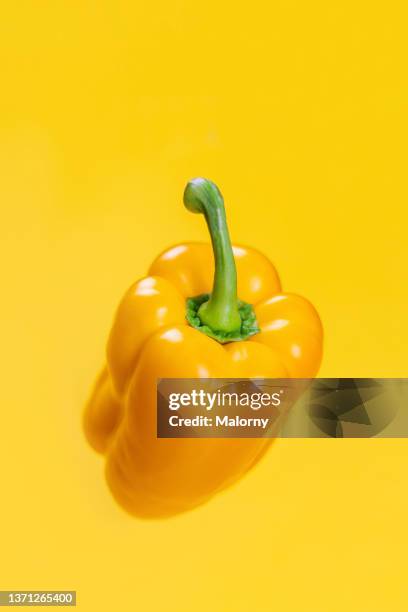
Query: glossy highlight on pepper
x=203, y=311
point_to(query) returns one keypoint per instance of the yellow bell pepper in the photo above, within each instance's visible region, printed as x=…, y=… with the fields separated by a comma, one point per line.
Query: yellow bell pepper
x=168, y=325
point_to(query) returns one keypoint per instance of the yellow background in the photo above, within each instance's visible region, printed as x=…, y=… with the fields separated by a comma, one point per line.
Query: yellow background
x=299, y=111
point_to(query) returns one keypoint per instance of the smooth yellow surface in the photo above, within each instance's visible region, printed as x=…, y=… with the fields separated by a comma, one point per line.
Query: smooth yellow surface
x=298, y=111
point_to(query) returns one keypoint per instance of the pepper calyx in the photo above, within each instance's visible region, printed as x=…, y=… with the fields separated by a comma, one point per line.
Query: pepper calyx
x=249, y=326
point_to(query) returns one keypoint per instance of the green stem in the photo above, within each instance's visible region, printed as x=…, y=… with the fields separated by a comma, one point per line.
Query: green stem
x=220, y=312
